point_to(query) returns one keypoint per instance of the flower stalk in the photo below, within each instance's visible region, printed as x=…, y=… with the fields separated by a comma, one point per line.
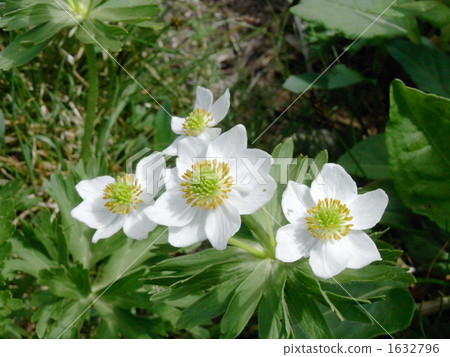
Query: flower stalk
x=256, y=252
x=263, y=237
x=91, y=102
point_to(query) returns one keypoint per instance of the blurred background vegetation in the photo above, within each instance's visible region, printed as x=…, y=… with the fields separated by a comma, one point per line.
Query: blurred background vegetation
x=261, y=51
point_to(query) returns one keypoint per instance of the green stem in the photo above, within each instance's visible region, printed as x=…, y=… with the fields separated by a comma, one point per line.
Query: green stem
x=91, y=102
x=263, y=237
x=251, y=250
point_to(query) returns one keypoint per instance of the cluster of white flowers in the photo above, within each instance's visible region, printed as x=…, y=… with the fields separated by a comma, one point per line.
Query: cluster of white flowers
x=217, y=179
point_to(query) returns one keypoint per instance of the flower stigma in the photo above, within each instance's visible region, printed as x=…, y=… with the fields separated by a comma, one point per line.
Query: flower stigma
x=329, y=219
x=207, y=184
x=196, y=122
x=123, y=194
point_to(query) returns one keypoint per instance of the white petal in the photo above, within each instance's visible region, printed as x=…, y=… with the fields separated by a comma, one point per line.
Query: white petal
x=110, y=229
x=209, y=134
x=137, y=225
x=362, y=248
x=93, y=213
x=329, y=258
x=334, y=182
x=221, y=224
x=176, y=124
x=230, y=144
x=367, y=209
x=203, y=99
x=250, y=167
x=294, y=242
x=92, y=189
x=296, y=201
x=172, y=149
x=220, y=108
x=149, y=173
x=191, y=233
x=171, y=209
x=251, y=201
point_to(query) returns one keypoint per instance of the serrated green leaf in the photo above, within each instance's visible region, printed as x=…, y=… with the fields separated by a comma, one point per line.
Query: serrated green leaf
x=106, y=35
x=15, y=54
x=72, y=283
x=210, y=305
x=271, y=313
x=244, y=301
x=418, y=146
x=305, y=317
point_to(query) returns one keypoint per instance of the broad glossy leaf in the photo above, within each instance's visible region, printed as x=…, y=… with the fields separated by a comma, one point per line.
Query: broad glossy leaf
x=400, y=307
x=368, y=158
x=418, y=146
x=353, y=18
x=339, y=76
x=427, y=67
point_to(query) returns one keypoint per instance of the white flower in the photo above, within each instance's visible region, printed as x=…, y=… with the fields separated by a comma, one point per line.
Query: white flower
x=199, y=123
x=326, y=223
x=212, y=184
x=111, y=204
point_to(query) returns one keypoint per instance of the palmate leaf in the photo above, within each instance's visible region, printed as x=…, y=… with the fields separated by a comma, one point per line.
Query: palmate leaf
x=47, y=18
x=288, y=299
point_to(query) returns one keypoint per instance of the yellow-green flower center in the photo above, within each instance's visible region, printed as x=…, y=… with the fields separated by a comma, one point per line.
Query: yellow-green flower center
x=329, y=219
x=196, y=122
x=207, y=184
x=123, y=194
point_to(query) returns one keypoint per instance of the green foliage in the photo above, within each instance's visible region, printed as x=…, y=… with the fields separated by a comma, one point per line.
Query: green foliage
x=338, y=76
x=368, y=158
x=353, y=18
x=78, y=275
x=287, y=298
x=47, y=18
x=417, y=142
x=427, y=67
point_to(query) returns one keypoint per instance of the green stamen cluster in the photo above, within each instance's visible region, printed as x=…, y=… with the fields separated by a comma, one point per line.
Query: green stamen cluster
x=196, y=122
x=207, y=184
x=123, y=194
x=329, y=219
